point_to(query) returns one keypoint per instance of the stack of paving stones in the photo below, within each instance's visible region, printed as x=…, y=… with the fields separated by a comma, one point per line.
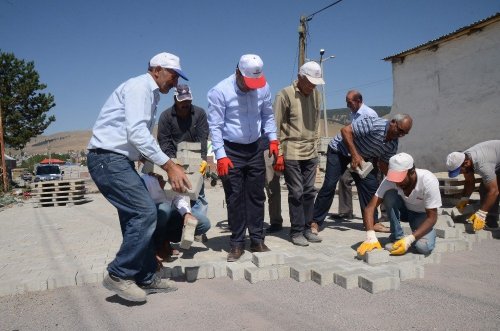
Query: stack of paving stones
x=330, y=265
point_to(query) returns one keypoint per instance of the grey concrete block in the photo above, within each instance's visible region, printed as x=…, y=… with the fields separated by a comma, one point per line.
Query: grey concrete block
x=83, y=277
x=376, y=256
x=264, y=259
x=189, y=146
x=348, y=279
x=434, y=257
x=236, y=271
x=408, y=270
x=406, y=229
x=460, y=227
x=283, y=271
x=220, y=269
x=61, y=280
x=446, y=233
x=172, y=272
x=483, y=235
x=445, y=220
x=203, y=271
x=324, y=276
x=376, y=283
x=300, y=272
x=255, y=274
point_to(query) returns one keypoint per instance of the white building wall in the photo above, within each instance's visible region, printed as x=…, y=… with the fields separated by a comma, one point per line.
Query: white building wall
x=453, y=95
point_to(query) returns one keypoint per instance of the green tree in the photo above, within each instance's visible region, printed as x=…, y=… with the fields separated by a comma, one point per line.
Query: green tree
x=24, y=106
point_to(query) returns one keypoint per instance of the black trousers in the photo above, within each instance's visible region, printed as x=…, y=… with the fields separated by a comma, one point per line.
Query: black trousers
x=244, y=191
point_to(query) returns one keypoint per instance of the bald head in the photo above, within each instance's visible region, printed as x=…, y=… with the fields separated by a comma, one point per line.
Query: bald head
x=354, y=100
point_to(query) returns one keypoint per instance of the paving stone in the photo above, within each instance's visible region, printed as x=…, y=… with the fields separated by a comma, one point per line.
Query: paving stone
x=172, y=272
x=85, y=277
x=460, y=227
x=445, y=220
x=348, y=279
x=446, y=233
x=325, y=276
x=409, y=270
x=203, y=271
x=484, y=235
x=265, y=259
x=300, y=272
x=220, y=269
x=376, y=283
x=376, y=256
x=236, y=271
x=256, y=274
x=283, y=271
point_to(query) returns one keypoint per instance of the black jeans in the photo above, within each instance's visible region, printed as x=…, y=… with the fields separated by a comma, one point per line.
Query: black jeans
x=299, y=177
x=244, y=190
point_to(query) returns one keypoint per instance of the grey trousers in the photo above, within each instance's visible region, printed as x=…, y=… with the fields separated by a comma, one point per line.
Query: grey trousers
x=273, y=190
x=345, y=193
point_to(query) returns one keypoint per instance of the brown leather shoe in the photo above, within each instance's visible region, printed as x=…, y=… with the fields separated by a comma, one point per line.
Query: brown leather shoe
x=260, y=247
x=234, y=254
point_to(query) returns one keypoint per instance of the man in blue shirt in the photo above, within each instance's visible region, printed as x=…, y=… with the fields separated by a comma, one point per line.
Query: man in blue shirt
x=238, y=108
x=122, y=135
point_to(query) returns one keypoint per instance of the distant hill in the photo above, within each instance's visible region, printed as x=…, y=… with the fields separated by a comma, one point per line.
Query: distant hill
x=341, y=115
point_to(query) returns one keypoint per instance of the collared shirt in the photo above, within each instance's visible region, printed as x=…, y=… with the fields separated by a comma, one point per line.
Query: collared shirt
x=297, y=119
x=125, y=122
x=181, y=203
x=425, y=195
x=486, y=159
x=238, y=116
x=173, y=129
x=364, y=110
x=369, y=139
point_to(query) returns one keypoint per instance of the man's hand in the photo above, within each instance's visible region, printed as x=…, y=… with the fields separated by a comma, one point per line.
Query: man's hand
x=356, y=161
x=478, y=220
x=274, y=148
x=401, y=246
x=203, y=167
x=369, y=244
x=464, y=201
x=176, y=177
x=223, y=165
x=279, y=165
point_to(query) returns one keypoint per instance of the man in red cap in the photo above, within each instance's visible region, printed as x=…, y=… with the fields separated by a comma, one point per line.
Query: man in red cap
x=239, y=107
x=410, y=195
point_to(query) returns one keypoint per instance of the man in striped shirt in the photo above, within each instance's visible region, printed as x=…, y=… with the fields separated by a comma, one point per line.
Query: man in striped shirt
x=364, y=139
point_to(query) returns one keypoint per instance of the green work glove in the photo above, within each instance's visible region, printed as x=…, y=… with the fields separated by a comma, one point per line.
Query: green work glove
x=369, y=244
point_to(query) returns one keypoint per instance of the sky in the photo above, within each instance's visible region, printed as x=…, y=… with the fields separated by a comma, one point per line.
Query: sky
x=83, y=50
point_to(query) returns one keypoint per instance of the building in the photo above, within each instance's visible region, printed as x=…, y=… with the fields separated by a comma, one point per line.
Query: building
x=450, y=86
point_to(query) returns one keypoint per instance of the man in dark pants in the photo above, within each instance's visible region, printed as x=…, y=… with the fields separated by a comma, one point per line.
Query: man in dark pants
x=122, y=135
x=185, y=122
x=238, y=108
x=366, y=138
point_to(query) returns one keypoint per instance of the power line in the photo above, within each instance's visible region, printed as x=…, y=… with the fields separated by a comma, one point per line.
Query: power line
x=332, y=4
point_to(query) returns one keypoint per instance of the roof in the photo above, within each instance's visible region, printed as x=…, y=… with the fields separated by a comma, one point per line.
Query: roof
x=52, y=161
x=433, y=44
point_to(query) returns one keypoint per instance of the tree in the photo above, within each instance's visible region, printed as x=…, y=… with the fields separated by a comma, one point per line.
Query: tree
x=24, y=107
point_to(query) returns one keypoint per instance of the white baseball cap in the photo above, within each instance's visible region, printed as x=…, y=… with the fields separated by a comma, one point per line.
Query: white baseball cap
x=399, y=165
x=312, y=70
x=454, y=162
x=168, y=61
x=250, y=66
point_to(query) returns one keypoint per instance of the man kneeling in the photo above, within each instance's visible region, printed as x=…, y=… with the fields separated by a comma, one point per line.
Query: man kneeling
x=409, y=195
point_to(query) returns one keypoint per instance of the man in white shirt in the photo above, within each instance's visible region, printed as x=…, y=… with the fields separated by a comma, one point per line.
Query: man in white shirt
x=410, y=195
x=176, y=221
x=122, y=135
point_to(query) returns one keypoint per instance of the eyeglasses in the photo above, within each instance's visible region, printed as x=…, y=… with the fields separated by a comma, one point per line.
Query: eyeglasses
x=401, y=132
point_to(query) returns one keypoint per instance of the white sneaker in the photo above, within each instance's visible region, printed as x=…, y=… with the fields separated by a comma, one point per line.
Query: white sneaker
x=124, y=288
x=159, y=285
x=188, y=233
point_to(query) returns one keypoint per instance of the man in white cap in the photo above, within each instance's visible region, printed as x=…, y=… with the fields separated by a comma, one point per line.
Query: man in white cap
x=297, y=110
x=122, y=135
x=482, y=159
x=238, y=108
x=410, y=195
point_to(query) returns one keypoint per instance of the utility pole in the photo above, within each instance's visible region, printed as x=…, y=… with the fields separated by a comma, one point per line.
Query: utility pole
x=2, y=152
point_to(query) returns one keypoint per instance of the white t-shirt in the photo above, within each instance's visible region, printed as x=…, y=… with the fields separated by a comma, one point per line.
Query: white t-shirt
x=159, y=196
x=424, y=196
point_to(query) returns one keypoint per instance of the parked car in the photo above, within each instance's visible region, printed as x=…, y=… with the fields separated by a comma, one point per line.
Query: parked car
x=46, y=172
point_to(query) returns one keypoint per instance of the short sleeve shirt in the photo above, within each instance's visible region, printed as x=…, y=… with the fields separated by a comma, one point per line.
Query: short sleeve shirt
x=486, y=159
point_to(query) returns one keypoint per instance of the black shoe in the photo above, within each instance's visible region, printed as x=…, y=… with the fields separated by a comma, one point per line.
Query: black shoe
x=260, y=247
x=274, y=228
x=343, y=216
x=234, y=254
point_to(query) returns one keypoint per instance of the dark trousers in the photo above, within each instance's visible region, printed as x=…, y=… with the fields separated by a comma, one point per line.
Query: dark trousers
x=299, y=177
x=244, y=191
x=492, y=218
x=336, y=164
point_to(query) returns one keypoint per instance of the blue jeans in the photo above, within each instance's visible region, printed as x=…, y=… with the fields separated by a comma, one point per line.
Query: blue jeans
x=201, y=204
x=119, y=182
x=397, y=212
x=170, y=223
x=336, y=165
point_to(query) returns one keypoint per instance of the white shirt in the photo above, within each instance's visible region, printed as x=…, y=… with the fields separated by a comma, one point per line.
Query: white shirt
x=364, y=110
x=424, y=196
x=125, y=122
x=159, y=196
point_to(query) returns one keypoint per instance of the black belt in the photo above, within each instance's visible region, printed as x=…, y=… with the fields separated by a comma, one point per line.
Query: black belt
x=101, y=151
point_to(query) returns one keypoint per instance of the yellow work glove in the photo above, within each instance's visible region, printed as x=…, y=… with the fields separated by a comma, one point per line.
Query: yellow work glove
x=203, y=167
x=462, y=203
x=401, y=246
x=369, y=244
x=477, y=220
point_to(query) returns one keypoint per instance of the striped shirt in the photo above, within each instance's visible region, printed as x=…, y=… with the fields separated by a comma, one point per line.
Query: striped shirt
x=369, y=139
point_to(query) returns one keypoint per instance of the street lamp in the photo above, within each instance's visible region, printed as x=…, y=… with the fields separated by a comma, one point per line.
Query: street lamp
x=321, y=60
